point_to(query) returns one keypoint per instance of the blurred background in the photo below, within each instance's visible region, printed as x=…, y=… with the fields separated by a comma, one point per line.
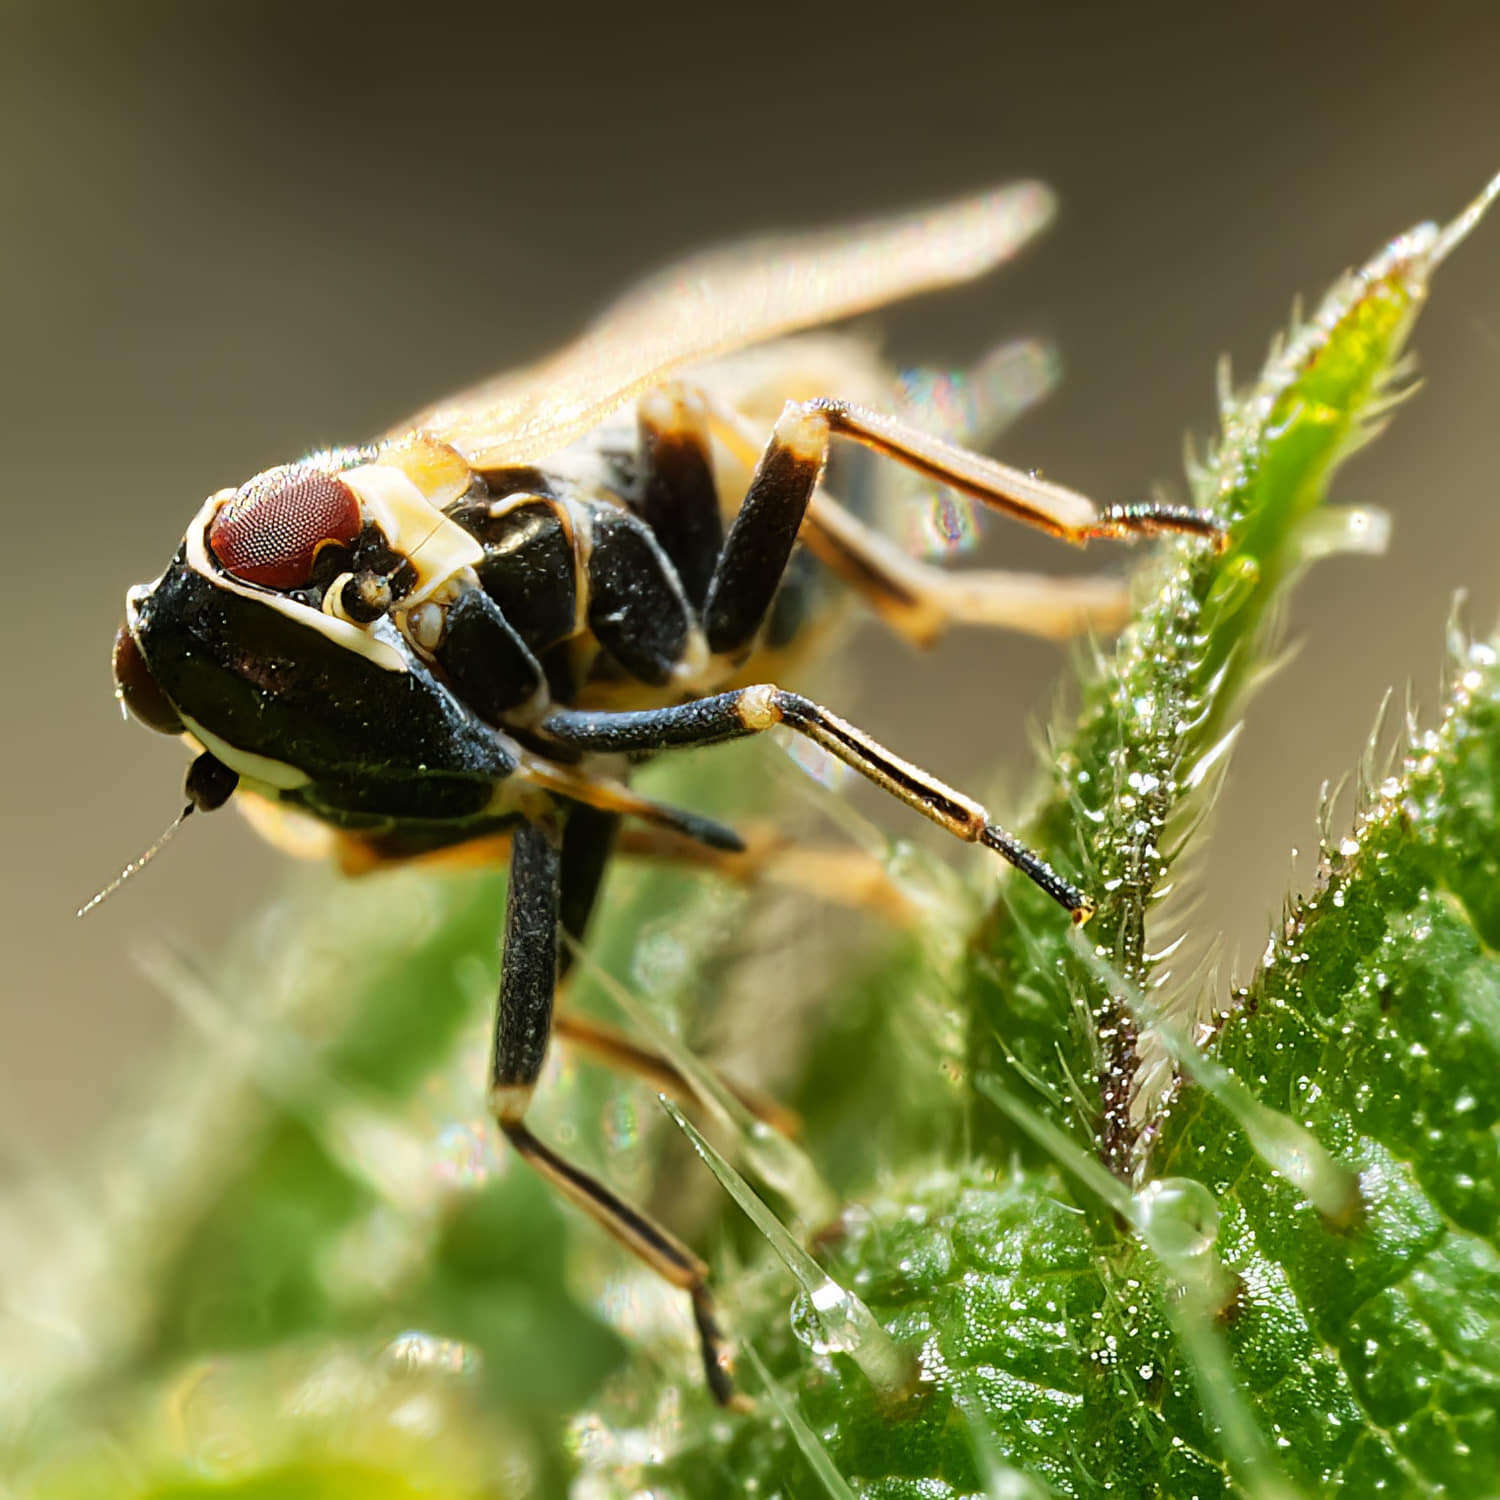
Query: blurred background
x=232, y=233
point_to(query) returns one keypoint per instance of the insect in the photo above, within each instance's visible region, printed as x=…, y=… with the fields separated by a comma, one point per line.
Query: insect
x=469, y=627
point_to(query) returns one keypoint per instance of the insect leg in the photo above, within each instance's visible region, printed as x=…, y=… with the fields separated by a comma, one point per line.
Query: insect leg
x=843, y=875
x=760, y=541
x=920, y=601
x=613, y=796
x=588, y=841
x=1026, y=496
x=680, y=502
x=527, y=983
x=617, y=1050
x=637, y=608
x=781, y=491
x=729, y=716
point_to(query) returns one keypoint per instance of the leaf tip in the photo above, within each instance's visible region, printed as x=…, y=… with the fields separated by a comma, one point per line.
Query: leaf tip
x=1456, y=232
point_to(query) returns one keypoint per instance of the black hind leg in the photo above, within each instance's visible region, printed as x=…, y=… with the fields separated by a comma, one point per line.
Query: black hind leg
x=680, y=499
x=528, y=982
x=766, y=529
x=588, y=842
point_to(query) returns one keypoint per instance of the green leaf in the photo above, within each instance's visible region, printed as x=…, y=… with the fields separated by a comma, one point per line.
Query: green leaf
x=1127, y=775
x=1375, y=1022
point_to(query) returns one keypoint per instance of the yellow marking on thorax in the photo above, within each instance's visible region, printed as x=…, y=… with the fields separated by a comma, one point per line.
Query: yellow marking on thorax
x=436, y=547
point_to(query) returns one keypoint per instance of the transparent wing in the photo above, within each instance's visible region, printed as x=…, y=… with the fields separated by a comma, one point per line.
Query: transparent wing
x=725, y=300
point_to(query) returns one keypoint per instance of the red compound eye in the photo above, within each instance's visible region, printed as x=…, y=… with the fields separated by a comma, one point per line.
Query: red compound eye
x=271, y=531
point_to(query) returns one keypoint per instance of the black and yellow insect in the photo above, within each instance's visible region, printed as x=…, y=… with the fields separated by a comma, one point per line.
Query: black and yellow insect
x=467, y=628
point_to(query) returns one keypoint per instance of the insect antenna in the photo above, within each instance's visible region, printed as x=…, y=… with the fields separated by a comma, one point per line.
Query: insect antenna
x=138, y=863
x=416, y=551
x=210, y=784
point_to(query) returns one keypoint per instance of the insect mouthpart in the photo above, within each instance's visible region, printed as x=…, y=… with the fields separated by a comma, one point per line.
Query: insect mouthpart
x=365, y=596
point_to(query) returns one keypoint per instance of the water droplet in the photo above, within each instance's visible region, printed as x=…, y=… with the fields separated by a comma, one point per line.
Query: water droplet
x=1178, y=1217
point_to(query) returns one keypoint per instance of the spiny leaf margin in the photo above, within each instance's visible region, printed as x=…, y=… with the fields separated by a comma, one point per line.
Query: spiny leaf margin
x=1125, y=788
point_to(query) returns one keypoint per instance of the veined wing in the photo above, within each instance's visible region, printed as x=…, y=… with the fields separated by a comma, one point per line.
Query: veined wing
x=725, y=300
